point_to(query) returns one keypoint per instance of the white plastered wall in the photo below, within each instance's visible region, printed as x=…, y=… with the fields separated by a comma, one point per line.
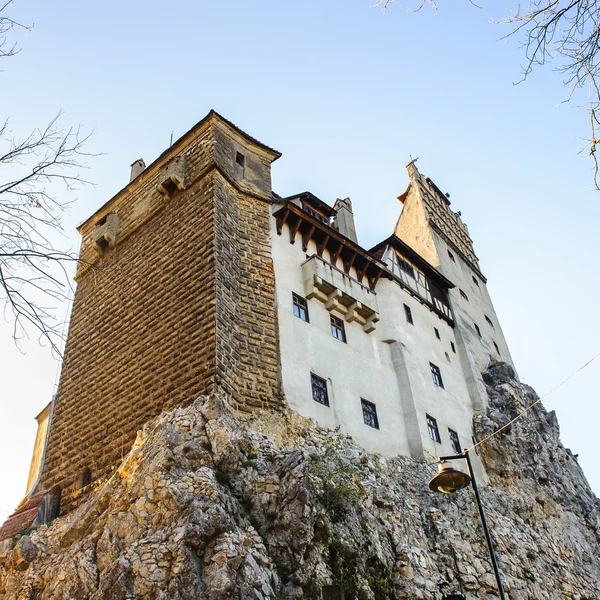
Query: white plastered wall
x=389, y=367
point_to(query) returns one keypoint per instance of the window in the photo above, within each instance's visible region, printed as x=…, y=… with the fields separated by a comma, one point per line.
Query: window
x=451, y=256
x=477, y=329
x=454, y=441
x=300, y=307
x=453, y=347
x=86, y=477
x=408, y=314
x=337, y=329
x=497, y=349
x=447, y=356
x=437, y=333
x=436, y=375
x=369, y=414
x=464, y=295
x=404, y=266
x=319, y=389
x=432, y=427
x=240, y=161
x=475, y=281
x=489, y=321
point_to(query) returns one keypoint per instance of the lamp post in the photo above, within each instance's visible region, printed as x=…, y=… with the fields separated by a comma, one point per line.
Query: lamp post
x=450, y=480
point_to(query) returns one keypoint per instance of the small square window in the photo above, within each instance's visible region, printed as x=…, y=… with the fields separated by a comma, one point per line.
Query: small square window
x=432, y=427
x=437, y=333
x=464, y=295
x=477, y=329
x=408, y=314
x=300, y=307
x=369, y=414
x=454, y=441
x=489, y=321
x=497, y=349
x=475, y=281
x=453, y=347
x=451, y=256
x=240, y=162
x=319, y=389
x=337, y=329
x=436, y=375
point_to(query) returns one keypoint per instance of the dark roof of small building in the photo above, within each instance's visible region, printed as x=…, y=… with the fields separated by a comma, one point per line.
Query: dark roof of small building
x=21, y=519
x=312, y=200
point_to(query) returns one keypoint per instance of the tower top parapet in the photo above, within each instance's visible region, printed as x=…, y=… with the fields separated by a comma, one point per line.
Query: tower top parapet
x=436, y=205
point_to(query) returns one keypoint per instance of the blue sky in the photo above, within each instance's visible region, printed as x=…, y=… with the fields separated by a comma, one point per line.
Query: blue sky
x=346, y=93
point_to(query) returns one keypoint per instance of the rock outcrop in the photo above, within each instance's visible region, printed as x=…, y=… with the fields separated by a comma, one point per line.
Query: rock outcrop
x=205, y=506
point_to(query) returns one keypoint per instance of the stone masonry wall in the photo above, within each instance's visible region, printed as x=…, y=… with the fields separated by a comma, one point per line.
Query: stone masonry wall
x=247, y=352
x=142, y=329
x=182, y=305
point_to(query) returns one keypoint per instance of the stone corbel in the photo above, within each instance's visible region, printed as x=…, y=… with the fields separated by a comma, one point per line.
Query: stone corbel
x=172, y=177
x=311, y=289
x=352, y=313
x=333, y=302
x=105, y=233
x=369, y=325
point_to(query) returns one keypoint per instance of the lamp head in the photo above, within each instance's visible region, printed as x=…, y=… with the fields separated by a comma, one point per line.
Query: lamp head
x=449, y=480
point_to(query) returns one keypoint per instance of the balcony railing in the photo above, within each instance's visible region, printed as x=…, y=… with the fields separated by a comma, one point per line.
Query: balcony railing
x=416, y=281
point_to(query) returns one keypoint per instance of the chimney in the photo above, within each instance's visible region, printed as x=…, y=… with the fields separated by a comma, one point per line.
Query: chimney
x=136, y=168
x=344, y=218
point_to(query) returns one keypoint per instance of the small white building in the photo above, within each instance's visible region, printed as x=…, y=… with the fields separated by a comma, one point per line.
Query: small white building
x=389, y=343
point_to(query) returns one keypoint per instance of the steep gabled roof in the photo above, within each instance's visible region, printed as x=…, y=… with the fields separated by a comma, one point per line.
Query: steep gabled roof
x=415, y=258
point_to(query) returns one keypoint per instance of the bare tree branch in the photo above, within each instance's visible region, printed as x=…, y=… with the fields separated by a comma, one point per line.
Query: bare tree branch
x=38, y=174
x=565, y=33
x=8, y=25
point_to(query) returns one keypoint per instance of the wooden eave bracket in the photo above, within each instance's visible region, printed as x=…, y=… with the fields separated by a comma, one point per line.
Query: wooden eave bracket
x=338, y=246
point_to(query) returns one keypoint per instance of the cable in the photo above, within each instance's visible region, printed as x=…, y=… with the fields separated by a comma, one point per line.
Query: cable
x=525, y=411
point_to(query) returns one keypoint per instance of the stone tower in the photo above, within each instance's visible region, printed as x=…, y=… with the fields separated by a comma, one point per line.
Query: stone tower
x=175, y=271
x=429, y=226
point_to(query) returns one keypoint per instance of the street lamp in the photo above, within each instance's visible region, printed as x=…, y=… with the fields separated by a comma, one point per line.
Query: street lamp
x=450, y=480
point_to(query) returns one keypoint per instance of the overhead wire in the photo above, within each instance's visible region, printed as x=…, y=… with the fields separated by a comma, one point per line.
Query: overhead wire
x=526, y=410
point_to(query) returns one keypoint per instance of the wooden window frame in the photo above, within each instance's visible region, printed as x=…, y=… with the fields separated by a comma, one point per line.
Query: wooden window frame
x=436, y=375
x=433, y=429
x=300, y=306
x=338, y=330
x=369, y=410
x=320, y=392
x=454, y=441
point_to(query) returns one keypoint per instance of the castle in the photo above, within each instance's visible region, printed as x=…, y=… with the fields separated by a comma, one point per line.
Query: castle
x=197, y=278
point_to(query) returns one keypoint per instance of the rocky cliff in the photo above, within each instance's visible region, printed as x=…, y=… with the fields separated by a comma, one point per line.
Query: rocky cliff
x=205, y=506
